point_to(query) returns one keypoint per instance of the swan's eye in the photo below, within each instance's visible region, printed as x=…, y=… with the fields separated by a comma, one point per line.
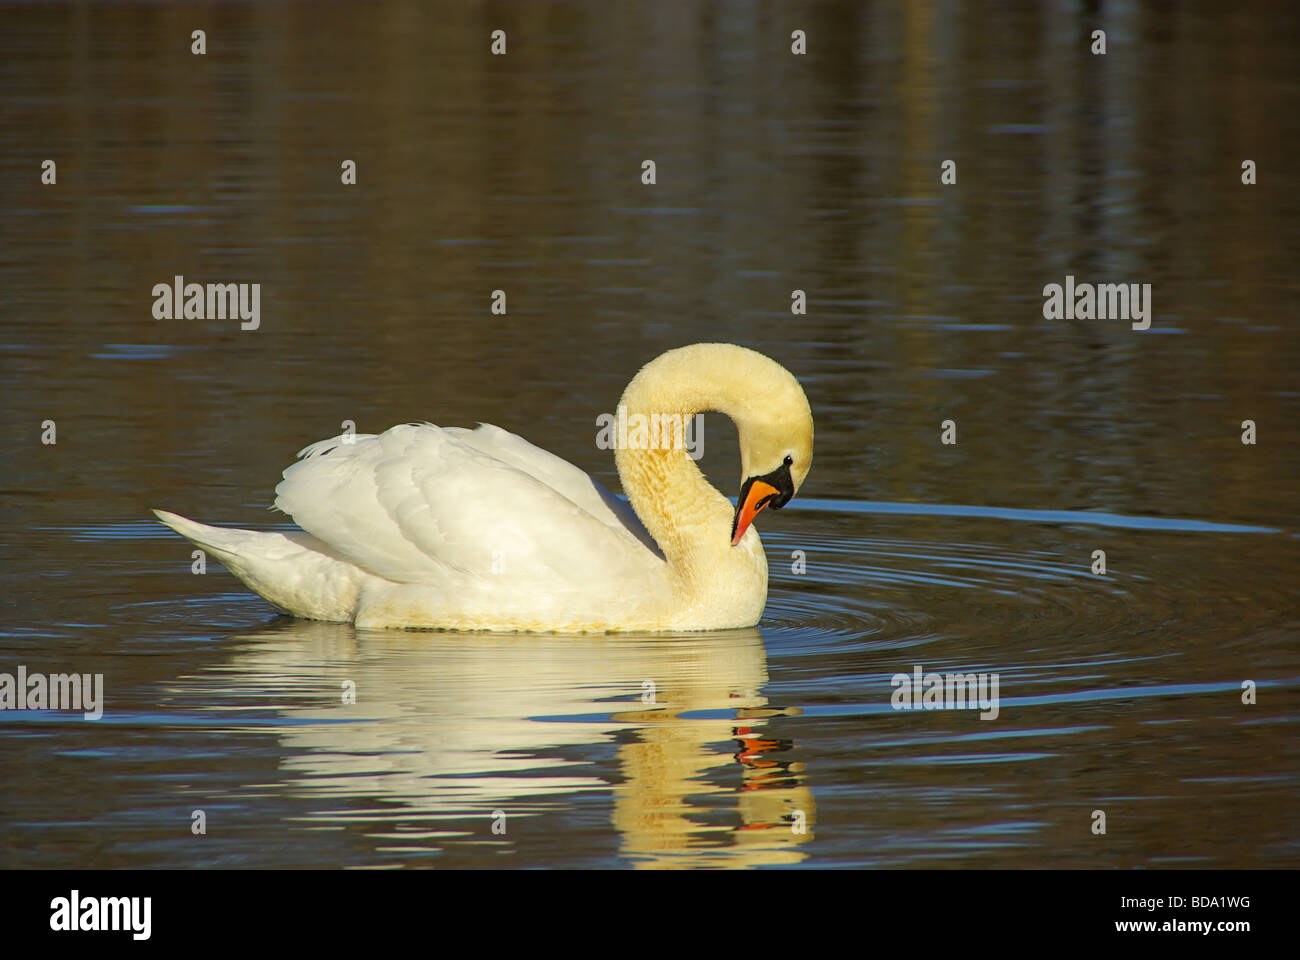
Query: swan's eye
x=788, y=461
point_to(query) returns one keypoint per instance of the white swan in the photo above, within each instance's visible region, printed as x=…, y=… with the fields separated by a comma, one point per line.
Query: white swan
x=425, y=526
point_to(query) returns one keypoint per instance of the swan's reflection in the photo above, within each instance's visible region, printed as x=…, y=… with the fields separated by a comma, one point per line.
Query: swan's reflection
x=453, y=727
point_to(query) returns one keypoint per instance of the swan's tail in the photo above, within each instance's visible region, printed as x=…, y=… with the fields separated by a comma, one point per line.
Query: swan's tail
x=224, y=542
x=293, y=571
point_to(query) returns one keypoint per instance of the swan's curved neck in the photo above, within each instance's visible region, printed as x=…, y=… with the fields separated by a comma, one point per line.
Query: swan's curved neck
x=687, y=516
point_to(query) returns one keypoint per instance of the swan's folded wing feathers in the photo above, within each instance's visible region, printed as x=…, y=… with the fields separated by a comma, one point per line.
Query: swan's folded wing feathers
x=332, y=493
x=322, y=447
x=416, y=504
x=558, y=474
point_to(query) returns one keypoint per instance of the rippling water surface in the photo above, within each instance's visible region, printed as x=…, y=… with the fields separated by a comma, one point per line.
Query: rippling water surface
x=775, y=746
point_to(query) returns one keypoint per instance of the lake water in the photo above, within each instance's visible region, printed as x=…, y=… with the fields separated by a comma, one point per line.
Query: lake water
x=775, y=746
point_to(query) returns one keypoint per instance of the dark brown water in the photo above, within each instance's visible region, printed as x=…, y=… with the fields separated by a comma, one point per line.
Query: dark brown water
x=1120, y=693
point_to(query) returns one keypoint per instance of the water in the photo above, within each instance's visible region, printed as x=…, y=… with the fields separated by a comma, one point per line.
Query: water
x=1120, y=693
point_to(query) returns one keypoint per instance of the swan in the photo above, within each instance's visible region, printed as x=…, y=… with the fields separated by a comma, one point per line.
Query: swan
x=446, y=527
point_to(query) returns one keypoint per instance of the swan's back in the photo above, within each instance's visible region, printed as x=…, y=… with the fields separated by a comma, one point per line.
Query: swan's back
x=468, y=513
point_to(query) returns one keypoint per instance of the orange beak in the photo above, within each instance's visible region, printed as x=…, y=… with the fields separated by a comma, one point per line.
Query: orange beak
x=756, y=498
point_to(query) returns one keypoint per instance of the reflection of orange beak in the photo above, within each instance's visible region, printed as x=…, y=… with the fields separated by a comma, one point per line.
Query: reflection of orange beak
x=756, y=498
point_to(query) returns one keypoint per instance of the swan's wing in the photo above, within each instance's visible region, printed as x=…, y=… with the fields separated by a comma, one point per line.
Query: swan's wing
x=417, y=503
x=558, y=474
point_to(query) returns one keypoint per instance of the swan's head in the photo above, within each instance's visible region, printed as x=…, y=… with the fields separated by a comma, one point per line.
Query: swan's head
x=776, y=441
x=773, y=420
